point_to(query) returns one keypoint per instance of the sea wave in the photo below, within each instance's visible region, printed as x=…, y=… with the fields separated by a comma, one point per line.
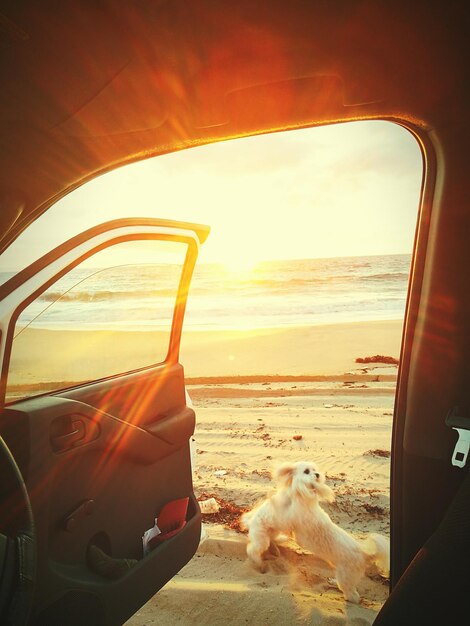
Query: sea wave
x=334, y=278
x=105, y=295
x=394, y=276
x=275, y=286
x=275, y=293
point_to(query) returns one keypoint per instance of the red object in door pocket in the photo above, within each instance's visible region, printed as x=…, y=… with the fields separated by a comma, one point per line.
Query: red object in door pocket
x=171, y=520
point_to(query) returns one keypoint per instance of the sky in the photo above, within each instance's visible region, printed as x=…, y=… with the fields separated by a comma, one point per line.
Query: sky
x=342, y=190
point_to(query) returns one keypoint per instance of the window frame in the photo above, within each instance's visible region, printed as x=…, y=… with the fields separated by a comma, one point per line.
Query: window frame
x=69, y=255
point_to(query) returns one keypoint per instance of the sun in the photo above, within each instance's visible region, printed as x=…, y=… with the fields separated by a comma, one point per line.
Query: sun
x=239, y=264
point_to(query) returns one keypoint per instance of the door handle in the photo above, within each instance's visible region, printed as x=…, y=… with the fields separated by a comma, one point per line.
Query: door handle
x=66, y=441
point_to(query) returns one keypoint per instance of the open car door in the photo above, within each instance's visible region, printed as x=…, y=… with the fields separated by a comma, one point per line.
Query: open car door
x=96, y=415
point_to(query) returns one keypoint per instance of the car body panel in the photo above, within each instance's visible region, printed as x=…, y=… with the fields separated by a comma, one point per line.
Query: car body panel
x=101, y=459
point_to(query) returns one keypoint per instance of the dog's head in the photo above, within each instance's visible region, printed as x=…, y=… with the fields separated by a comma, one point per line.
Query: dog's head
x=305, y=480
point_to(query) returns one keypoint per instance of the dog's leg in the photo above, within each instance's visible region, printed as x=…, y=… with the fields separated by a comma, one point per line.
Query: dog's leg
x=257, y=546
x=273, y=549
x=256, y=558
x=347, y=580
x=272, y=552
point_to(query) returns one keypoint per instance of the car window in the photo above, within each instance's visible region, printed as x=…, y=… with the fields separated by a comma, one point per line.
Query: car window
x=340, y=190
x=110, y=314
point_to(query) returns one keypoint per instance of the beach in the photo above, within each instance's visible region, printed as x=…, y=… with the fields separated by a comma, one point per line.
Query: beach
x=69, y=356
x=340, y=416
x=270, y=365
x=263, y=397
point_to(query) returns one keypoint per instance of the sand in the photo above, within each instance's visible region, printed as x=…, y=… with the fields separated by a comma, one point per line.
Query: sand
x=72, y=355
x=263, y=398
x=241, y=436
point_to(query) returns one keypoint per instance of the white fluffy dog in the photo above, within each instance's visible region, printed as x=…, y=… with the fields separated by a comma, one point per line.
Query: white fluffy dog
x=295, y=510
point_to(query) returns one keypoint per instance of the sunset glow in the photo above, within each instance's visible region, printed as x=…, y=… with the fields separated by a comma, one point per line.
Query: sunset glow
x=239, y=266
x=341, y=190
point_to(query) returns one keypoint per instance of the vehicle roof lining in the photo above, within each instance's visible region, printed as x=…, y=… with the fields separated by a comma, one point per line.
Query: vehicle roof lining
x=150, y=78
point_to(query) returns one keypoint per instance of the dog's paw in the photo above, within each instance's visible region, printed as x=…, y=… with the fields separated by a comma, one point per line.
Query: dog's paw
x=353, y=597
x=262, y=568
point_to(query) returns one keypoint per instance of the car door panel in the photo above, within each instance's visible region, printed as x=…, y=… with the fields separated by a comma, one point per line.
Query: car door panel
x=73, y=424
x=134, y=398
x=123, y=469
x=100, y=460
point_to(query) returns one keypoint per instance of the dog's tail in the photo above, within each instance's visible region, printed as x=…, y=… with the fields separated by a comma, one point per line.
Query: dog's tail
x=377, y=548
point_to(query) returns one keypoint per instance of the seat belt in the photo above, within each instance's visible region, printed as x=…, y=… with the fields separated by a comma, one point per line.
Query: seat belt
x=456, y=420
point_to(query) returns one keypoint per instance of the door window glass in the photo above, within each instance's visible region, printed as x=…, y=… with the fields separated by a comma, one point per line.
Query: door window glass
x=110, y=314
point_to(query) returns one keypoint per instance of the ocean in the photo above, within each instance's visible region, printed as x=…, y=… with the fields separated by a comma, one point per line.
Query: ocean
x=272, y=294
